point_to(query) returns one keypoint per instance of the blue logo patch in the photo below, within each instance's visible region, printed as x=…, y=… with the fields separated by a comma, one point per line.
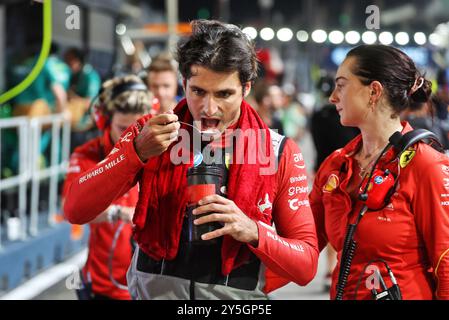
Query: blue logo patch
x=378, y=180
x=197, y=159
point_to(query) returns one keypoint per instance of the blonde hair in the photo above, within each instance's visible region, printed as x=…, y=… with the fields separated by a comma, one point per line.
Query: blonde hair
x=163, y=62
x=130, y=101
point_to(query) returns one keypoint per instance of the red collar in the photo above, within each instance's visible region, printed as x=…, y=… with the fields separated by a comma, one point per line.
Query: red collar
x=354, y=145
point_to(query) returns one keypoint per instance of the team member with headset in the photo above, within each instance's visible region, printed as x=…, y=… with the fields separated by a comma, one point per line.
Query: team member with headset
x=120, y=103
x=383, y=200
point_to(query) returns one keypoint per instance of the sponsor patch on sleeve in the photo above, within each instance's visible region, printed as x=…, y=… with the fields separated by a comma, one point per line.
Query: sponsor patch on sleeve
x=331, y=184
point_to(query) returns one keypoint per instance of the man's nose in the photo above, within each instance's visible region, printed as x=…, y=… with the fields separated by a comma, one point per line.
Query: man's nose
x=210, y=106
x=158, y=91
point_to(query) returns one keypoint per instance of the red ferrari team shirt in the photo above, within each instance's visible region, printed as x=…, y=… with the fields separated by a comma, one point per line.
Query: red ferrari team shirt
x=289, y=250
x=411, y=233
x=101, y=234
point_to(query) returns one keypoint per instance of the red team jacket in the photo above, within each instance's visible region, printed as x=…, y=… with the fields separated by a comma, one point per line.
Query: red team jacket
x=288, y=258
x=101, y=234
x=411, y=233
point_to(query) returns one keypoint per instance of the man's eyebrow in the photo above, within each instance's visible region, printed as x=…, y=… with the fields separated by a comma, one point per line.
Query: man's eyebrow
x=229, y=90
x=196, y=87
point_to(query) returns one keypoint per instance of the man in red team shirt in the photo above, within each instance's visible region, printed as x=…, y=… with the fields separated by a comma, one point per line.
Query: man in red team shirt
x=120, y=103
x=246, y=257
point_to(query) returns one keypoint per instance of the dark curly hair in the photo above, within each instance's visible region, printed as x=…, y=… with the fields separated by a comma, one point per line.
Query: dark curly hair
x=219, y=47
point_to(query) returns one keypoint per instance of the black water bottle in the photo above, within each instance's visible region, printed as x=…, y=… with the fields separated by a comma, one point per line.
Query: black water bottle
x=202, y=180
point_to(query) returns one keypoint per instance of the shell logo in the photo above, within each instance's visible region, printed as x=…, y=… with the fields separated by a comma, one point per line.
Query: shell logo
x=331, y=184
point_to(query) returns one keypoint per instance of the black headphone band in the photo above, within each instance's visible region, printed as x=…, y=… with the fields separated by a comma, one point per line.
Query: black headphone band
x=127, y=86
x=93, y=101
x=412, y=137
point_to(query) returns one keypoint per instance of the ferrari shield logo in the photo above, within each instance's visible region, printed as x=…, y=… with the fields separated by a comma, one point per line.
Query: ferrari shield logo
x=406, y=157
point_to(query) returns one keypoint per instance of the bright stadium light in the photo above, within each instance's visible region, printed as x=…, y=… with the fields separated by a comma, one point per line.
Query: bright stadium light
x=250, y=32
x=369, y=37
x=336, y=37
x=352, y=37
x=284, y=34
x=267, y=34
x=302, y=36
x=402, y=38
x=435, y=40
x=386, y=38
x=420, y=38
x=319, y=36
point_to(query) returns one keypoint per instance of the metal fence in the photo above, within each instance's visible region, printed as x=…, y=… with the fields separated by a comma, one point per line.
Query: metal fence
x=30, y=172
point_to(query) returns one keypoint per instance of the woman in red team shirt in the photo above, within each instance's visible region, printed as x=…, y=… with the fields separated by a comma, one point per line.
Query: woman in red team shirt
x=410, y=234
x=121, y=102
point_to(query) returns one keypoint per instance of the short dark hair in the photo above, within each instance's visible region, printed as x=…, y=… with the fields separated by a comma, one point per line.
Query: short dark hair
x=219, y=47
x=395, y=70
x=75, y=53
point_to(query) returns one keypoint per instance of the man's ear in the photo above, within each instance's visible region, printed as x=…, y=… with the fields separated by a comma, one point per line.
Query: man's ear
x=184, y=83
x=247, y=87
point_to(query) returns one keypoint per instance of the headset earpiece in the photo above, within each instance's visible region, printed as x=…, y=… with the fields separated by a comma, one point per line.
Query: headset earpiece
x=98, y=112
x=101, y=117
